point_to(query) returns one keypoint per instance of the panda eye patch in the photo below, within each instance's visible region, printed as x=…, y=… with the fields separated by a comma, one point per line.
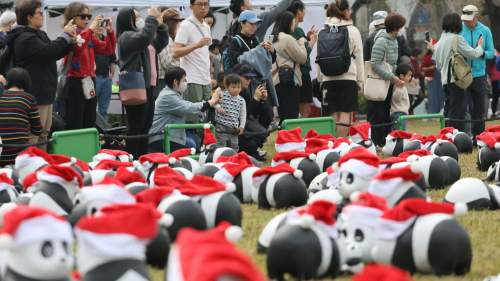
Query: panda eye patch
x=47, y=249
x=359, y=236
x=350, y=178
x=65, y=246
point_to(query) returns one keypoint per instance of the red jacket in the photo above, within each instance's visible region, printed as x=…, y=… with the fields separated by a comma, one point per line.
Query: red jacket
x=83, y=61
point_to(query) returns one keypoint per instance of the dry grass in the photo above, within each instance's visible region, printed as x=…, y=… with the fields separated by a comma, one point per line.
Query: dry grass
x=483, y=227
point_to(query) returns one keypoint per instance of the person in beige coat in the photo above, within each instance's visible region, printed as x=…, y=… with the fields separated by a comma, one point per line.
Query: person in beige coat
x=341, y=92
x=290, y=53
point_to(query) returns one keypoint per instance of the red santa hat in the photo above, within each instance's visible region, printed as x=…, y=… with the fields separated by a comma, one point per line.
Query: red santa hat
x=288, y=140
x=118, y=231
x=183, y=152
x=487, y=139
x=315, y=145
x=155, y=158
x=208, y=136
x=448, y=133
x=320, y=210
x=396, y=220
x=63, y=160
x=361, y=131
x=287, y=156
x=261, y=174
x=341, y=142
x=229, y=171
x=398, y=134
x=5, y=182
x=153, y=195
x=359, y=161
x=64, y=176
x=391, y=161
x=167, y=177
x=312, y=133
x=202, y=185
x=208, y=255
x=127, y=177
x=239, y=158
x=112, y=154
x=379, y=272
x=112, y=165
x=28, y=224
x=109, y=191
x=365, y=209
x=388, y=181
x=493, y=128
x=411, y=155
x=31, y=160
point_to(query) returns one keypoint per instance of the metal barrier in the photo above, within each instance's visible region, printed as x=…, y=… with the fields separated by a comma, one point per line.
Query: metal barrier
x=82, y=144
x=168, y=127
x=404, y=118
x=323, y=125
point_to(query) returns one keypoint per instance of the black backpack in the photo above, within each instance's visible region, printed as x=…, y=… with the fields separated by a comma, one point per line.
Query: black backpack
x=333, y=54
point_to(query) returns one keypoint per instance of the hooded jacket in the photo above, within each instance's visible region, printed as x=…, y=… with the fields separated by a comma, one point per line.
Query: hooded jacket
x=471, y=36
x=133, y=44
x=34, y=51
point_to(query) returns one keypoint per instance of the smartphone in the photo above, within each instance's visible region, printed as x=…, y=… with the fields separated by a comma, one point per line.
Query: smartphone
x=269, y=38
x=427, y=36
x=104, y=23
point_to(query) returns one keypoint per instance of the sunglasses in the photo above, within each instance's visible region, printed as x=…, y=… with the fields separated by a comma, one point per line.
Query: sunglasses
x=85, y=16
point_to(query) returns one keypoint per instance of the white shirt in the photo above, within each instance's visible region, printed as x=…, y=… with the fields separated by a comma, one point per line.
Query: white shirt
x=197, y=63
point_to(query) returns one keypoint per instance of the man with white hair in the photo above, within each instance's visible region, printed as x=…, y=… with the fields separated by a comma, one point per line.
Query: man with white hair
x=7, y=20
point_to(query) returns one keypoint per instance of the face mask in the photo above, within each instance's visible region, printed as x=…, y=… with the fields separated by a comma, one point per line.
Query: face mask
x=182, y=87
x=139, y=23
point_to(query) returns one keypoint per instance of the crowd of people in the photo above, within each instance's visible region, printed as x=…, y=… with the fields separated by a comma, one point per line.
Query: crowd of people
x=172, y=71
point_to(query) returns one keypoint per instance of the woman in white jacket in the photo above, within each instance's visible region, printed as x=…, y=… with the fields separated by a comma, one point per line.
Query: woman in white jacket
x=341, y=92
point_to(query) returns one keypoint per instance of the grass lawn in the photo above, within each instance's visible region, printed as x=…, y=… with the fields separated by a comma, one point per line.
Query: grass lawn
x=483, y=227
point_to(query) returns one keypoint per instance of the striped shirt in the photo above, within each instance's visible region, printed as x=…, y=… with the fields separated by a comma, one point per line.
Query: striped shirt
x=235, y=111
x=19, y=118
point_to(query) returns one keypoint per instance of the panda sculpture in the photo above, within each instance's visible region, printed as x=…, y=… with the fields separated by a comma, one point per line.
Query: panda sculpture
x=474, y=192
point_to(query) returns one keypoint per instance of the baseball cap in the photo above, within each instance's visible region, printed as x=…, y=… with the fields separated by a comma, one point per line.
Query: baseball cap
x=244, y=70
x=469, y=12
x=249, y=16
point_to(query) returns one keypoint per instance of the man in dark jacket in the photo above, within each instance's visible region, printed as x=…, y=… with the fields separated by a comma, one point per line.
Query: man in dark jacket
x=259, y=111
x=34, y=51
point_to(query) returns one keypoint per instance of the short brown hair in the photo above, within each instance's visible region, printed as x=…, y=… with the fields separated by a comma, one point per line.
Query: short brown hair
x=394, y=22
x=336, y=8
x=25, y=8
x=232, y=79
x=72, y=10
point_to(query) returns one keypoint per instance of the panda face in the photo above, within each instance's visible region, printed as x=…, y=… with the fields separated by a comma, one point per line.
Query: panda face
x=350, y=183
x=390, y=145
x=358, y=241
x=45, y=260
x=318, y=183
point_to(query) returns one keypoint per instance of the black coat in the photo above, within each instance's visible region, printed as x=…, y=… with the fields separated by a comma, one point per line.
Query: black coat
x=35, y=52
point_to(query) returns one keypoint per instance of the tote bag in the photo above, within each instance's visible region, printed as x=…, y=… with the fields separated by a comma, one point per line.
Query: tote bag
x=376, y=88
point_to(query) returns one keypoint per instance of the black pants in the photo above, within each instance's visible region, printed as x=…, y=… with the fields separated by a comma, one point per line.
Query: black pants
x=457, y=103
x=255, y=136
x=78, y=112
x=415, y=101
x=378, y=112
x=495, y=91
x=288, y=98
x=139, y=120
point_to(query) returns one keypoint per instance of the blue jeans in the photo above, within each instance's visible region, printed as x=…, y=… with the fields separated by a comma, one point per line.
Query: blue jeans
x=103, y=91
x=436, y=94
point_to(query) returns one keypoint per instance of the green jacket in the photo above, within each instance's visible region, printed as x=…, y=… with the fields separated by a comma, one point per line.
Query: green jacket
x=306, y=67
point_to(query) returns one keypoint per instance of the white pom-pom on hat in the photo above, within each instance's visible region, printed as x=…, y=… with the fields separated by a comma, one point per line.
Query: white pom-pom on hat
x=6, y=241
x=298, y=174
x=460, y=209
x=166, y=220
x=73, y=160
x=230, y=187
x=172, y=160
x=306, y=221
x=330, y=144
x=497, y=145
x=206, y=126
x=233, y=233
x=193, y=150
x=312, y=157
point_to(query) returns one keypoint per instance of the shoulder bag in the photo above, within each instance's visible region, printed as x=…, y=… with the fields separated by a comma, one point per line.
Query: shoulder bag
x=376, y=88
x=286, y=73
